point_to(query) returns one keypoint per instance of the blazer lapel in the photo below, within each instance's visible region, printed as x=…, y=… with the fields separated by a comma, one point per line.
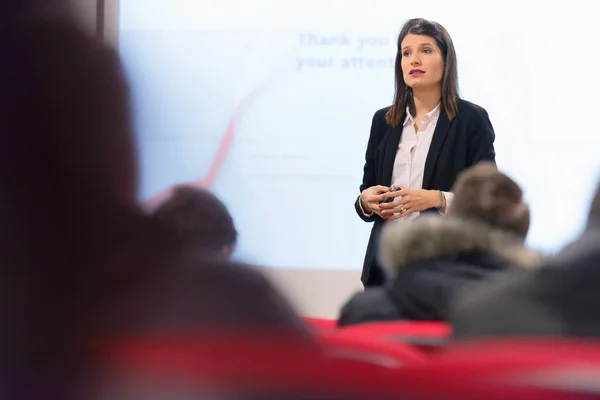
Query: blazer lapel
x=390, y=148
x=439, y=136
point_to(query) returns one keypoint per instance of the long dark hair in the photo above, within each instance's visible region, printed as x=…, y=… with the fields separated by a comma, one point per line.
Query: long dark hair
x=404, y=94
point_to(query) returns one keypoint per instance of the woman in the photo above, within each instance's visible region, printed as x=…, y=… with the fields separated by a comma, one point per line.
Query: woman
x=420, y=144
x=432, y=260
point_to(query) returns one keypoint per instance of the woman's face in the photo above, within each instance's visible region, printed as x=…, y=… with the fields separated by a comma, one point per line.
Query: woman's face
x=422, y=62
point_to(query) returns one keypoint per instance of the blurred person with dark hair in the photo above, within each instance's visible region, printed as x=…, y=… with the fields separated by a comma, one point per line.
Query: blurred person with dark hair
x=200, y=219
x=80, y=260
x=431, y=260
x=558, y=299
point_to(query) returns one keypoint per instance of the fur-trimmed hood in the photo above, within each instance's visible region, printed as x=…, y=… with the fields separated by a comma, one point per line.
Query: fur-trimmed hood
x=430, y=237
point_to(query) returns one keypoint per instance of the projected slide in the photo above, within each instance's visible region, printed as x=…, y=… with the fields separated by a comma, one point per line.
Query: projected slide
x=272, y=111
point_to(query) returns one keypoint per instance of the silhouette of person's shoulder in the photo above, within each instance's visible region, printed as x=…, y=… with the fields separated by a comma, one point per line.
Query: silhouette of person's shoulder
x=182, y=287
x=559, y=298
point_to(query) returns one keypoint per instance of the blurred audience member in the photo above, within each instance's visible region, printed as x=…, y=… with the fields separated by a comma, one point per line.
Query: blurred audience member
x=488, y=196
x=200, y=219
x=80, y=260
x=558, y=299
x=429, y=261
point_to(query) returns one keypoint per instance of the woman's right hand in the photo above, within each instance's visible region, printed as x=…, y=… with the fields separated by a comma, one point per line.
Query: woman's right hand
x=370, y=198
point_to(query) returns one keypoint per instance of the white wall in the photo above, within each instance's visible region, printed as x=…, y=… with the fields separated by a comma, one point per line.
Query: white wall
x=316, y=293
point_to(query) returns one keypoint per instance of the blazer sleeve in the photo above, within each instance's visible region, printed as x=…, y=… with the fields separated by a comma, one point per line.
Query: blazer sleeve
x=481, y=139
x=370, y=168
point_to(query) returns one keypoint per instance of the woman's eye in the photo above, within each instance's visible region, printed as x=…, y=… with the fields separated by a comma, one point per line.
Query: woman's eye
x=405, y=54
x=427, y=51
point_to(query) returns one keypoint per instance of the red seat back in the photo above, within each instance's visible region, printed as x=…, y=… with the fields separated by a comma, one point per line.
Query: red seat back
x=259, y=364
x=423, y=335
x=320, y=324
x=516, y=369
x=548, y=370
x=392, y=355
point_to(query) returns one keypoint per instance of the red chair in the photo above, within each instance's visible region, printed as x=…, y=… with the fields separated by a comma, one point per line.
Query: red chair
x=320, y=324
x=428, y=336
x=548, y=370
x=257, y=364
x=389, y=354
x=508, y=369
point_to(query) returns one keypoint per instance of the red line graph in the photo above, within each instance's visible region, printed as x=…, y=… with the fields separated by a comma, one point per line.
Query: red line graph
x=220, y=156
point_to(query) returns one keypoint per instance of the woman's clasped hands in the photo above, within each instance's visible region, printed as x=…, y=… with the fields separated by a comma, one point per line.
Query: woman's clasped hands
x=404, y=201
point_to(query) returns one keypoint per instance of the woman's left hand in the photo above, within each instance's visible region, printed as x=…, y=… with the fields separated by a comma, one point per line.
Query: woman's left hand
x=408, y=201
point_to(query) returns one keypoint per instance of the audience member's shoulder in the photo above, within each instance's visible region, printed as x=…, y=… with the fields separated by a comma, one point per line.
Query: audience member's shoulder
x=197, y=264
x=184, y=289
x=499, y=286
x=506, y=304
x=368, y=306
x=242, y=292
x=581, y=253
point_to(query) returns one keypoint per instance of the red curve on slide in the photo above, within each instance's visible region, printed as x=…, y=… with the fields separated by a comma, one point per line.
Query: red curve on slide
x=220, y=156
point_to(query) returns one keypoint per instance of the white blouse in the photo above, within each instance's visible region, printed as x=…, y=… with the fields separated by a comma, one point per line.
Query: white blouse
x=411, y=155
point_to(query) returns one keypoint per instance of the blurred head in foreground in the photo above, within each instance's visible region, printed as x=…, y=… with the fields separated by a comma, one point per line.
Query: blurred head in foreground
x=67, y=174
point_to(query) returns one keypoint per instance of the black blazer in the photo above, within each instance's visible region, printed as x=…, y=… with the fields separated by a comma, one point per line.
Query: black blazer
x=456, y=145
